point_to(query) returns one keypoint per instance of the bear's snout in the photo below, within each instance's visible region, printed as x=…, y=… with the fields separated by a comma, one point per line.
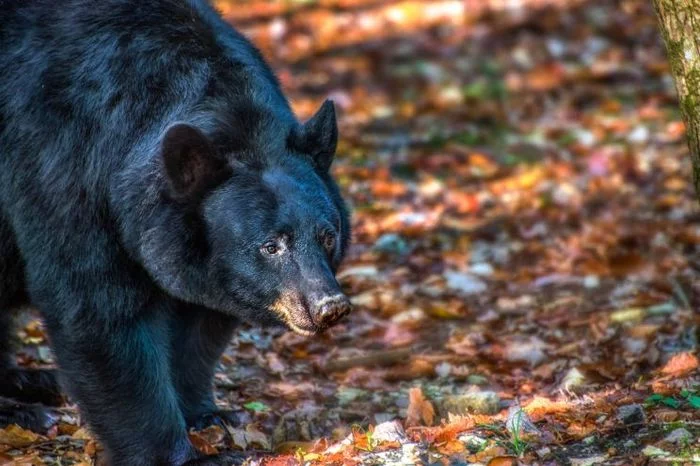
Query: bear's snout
x=329, y=310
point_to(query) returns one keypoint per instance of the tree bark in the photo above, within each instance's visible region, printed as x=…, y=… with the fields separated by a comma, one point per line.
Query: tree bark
x=679, y=21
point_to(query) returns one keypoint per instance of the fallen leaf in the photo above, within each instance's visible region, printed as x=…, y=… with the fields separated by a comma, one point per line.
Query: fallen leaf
x=420, y=410
x=680, y=364
x=17, y=437
x=503, y=461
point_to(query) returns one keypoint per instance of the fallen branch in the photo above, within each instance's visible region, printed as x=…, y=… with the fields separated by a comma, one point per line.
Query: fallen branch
x=378, y=358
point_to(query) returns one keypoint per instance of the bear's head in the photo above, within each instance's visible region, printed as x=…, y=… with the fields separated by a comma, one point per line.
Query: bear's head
x=258, y=232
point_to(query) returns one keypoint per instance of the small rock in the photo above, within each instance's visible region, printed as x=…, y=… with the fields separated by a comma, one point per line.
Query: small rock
x=389, y=432
x=631, y=414
x=464, y=282
x=629, y=443
x=679, y=435
x=391, y=243
x=482, y=402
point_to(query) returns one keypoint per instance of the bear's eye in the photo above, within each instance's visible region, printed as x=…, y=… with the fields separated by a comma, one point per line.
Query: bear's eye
x=271, y=248
x=329, y=241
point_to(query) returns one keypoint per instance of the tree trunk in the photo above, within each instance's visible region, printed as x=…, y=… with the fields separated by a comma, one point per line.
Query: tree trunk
x=679, y=21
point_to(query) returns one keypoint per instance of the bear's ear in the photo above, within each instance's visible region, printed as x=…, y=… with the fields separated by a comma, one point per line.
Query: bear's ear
x=190, y=161
x=318, y=137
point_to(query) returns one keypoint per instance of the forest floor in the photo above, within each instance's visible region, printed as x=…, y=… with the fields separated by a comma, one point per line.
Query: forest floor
x=526, y=254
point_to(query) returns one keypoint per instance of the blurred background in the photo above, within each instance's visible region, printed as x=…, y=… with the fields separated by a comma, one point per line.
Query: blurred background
x=526, y=235
x=524, y=219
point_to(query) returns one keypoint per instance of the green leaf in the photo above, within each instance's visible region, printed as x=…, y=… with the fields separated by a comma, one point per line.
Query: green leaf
x=672, y=402
x=256, y=406
x=661, y=399
x=694, y=401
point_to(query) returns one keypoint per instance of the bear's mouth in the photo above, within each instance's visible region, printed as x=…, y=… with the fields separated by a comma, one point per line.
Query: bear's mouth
x=307, y=332
x=292, y=312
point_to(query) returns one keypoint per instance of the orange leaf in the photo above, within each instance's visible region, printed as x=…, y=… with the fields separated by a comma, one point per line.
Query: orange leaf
x=17, y=437
x=451, y=448
x=540, y=407
x=503, y=461
x=420, y=410
x=680, y=364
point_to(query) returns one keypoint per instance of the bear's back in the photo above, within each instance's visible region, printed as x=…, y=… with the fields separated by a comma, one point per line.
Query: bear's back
x=86, y=87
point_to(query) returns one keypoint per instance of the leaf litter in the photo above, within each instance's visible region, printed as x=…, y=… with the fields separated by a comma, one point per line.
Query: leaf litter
x=526, y=253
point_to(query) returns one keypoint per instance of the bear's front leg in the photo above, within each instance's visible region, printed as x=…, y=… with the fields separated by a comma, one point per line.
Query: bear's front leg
x=199, y=336
x=118, y=371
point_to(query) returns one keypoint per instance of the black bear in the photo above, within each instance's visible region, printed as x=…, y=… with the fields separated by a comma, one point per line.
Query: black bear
x=155, y=189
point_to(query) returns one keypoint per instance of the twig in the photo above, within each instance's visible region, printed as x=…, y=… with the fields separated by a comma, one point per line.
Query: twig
x=377, y=358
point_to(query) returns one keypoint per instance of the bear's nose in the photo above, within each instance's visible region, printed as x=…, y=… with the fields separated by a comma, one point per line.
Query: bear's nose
x=331, y=309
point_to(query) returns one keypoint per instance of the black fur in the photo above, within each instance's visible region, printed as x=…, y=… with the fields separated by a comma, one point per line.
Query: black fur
x=140, y=250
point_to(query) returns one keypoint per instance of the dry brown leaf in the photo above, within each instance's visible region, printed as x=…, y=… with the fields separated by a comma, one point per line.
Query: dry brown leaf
x=249, y=437
x=213, y=434
x=202, y=444
x=420, y=410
